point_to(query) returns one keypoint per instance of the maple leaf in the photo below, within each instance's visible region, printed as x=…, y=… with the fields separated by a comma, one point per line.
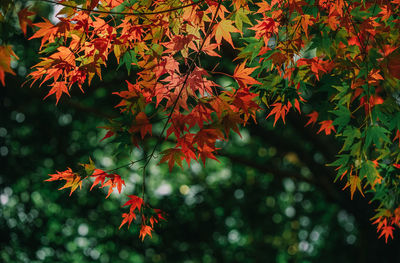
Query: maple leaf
x=24, y=20
x=279, y=111
x=89, y=167
x=206, y=152
x=305, y=20
x=243, y=101
x=208, y=137
x=223, y=30
x=145, y=230
x=327, y=127
x=172, y=156
x=47, y=31
x=142, y=124
x=265, y=28
x=230, y=122
x=208, y=48
x=72, y=179
x=127, y=218
x=135, y=202
x=354, y=183
x=114, y=180
x=242, y=75
x=263, y=7
x=153, y=220
x=186, y=144
x=5, y=62
x=58, y=87
x=316, y=65
x=386, y=231
x=313, y=118
x=160, y=213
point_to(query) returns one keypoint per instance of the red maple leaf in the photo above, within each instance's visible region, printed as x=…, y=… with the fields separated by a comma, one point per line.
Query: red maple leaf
x=135, y=202
x=386, y=231
x=327, y=127
x=113, y=180
x=313, y=118
x=142, y=124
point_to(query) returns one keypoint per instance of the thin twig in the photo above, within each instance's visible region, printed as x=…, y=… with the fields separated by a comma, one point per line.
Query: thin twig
x=123, y=13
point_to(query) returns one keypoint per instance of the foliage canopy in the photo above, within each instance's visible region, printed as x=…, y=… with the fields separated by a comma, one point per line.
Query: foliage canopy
x=338, y=62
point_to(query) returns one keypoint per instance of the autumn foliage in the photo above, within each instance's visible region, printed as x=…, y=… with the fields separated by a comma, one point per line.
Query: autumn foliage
x=336, y=62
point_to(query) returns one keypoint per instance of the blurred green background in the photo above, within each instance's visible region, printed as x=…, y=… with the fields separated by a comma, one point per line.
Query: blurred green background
x=269, y=199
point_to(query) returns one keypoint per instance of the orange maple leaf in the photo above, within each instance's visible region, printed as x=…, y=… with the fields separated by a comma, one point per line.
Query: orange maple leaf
x=279, y=111
x=5, y=62
x=305, y=20
x=24, y=20
x=242, y=75
x=145, y=230
x=127, y=218
x=72, y=179
x=58, y=87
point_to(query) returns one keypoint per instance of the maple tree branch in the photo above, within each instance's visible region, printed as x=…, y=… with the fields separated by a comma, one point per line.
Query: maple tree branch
x=191, y=67
x=128, y=164
x=123, y=13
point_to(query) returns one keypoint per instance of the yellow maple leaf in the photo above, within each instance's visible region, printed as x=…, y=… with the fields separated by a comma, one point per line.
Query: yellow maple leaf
x=223, y=30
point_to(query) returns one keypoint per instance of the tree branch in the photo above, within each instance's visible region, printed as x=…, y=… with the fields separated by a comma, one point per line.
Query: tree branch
x=123, y=13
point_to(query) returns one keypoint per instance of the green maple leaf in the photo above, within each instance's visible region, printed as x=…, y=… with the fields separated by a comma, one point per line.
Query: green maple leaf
x=375, y=135
x=369, y=171
x=343, y=117
x=240, y=17
x=350, y=133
